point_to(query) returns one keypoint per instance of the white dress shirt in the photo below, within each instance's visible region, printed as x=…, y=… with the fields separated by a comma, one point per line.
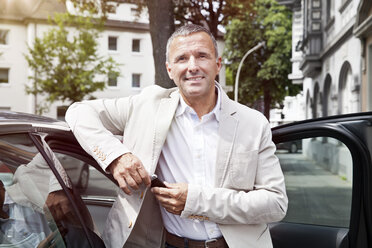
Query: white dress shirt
x=189, y=155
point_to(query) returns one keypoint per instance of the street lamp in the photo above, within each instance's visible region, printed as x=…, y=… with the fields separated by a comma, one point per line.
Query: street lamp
x=259, y=45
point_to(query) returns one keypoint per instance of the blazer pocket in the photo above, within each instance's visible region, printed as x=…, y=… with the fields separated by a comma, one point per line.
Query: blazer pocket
x=244, y=167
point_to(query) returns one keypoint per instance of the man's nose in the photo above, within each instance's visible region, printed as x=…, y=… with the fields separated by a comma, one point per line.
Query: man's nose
x=193, y=65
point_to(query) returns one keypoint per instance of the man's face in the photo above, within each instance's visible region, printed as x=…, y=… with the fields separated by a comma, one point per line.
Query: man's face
x=193, y=65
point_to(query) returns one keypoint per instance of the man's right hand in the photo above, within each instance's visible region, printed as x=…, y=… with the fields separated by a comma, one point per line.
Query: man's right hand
x=128, y=170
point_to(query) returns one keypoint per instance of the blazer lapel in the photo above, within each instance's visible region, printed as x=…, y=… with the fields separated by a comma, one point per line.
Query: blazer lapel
x=164, y=117
x=227, y=133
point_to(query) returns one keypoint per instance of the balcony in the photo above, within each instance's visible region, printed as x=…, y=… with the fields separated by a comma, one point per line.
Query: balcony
x=312, y=46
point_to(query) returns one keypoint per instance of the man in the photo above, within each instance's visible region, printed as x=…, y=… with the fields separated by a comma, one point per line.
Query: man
x=223, y=181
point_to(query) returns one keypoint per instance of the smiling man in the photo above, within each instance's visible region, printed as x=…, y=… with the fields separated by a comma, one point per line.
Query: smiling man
x=223, y=181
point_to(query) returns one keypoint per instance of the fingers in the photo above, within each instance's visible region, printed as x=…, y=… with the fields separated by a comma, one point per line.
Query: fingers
x=144, y=176
x=173, y=198
x=129, y=171
x=122, y=184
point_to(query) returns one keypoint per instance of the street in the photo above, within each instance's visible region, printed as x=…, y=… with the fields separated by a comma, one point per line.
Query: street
x=316, y=196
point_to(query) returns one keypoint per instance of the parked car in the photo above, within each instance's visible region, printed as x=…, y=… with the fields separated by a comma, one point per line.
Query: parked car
x=291, y=147
x=328, y=183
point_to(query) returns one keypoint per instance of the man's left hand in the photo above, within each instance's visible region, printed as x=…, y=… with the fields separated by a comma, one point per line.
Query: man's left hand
x=173, y=197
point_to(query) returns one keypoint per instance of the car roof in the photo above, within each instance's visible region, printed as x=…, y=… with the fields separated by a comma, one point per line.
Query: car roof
x=328, y=119
x=23, y=121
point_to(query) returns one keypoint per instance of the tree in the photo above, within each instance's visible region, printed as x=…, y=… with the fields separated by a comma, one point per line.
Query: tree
x=161, y=18
x=163, y=14
x=265, y=72
x=209, y=12
x=66, y=63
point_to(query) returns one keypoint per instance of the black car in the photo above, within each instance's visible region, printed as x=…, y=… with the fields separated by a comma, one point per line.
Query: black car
x=327, y=181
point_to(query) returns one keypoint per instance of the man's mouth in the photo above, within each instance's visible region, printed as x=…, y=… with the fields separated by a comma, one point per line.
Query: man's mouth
x=194, y=78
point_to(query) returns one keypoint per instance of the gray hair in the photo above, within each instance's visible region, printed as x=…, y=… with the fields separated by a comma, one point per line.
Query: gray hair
x=187, y=30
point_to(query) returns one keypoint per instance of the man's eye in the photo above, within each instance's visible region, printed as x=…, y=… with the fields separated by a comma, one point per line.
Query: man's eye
x=181, y=59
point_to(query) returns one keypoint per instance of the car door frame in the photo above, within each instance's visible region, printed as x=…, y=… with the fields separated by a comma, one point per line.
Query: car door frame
x=36, y=137
x=359, y=231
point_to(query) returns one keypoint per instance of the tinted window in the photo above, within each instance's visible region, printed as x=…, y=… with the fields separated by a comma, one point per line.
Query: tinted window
x=29, y=187
x=318, y=176
x=88, y=180
x=97, y=191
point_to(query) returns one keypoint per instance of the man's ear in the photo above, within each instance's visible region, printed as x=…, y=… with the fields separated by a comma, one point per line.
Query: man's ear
x=219, y=64
x=168, y=70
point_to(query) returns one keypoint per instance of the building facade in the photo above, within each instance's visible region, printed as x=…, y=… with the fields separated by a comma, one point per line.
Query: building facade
x=332, y=58
x=126, y=38
x=327, y=57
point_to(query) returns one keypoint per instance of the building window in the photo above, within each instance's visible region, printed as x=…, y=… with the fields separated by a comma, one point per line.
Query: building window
x=136, y=80
x=136, y=45
x=4, y=75
x=316, y=3
x=4, y=37
x=112, y=80
x=316, y=15
x=113, y=43
x=315, y=26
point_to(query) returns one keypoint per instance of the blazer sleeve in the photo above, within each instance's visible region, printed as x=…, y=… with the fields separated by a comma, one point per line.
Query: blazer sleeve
x=98, y=125
x=267, y=202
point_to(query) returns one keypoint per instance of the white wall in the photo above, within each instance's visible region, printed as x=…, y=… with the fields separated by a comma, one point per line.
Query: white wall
x=13, y=94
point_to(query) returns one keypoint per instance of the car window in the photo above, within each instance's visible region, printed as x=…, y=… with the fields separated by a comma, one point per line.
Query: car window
x=29, y=193
x=318, y=177
x=87, y=179
x=96, y=190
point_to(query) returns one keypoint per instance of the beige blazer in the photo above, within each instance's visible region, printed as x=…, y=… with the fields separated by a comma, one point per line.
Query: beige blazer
x=249, y=186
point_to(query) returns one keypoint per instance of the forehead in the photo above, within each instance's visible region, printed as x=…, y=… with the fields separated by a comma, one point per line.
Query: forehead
x=199, y=41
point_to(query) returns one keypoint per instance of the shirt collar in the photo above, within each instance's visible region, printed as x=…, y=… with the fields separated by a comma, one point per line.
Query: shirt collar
x=184, y=108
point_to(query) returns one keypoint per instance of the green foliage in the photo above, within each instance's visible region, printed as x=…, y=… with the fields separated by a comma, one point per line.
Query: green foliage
x=96, y=7
x=265, y=72
x=210, y=12
x=66, y=62
x=229, y=76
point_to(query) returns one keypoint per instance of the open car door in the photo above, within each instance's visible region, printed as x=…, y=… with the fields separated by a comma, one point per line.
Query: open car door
x=327, y=179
